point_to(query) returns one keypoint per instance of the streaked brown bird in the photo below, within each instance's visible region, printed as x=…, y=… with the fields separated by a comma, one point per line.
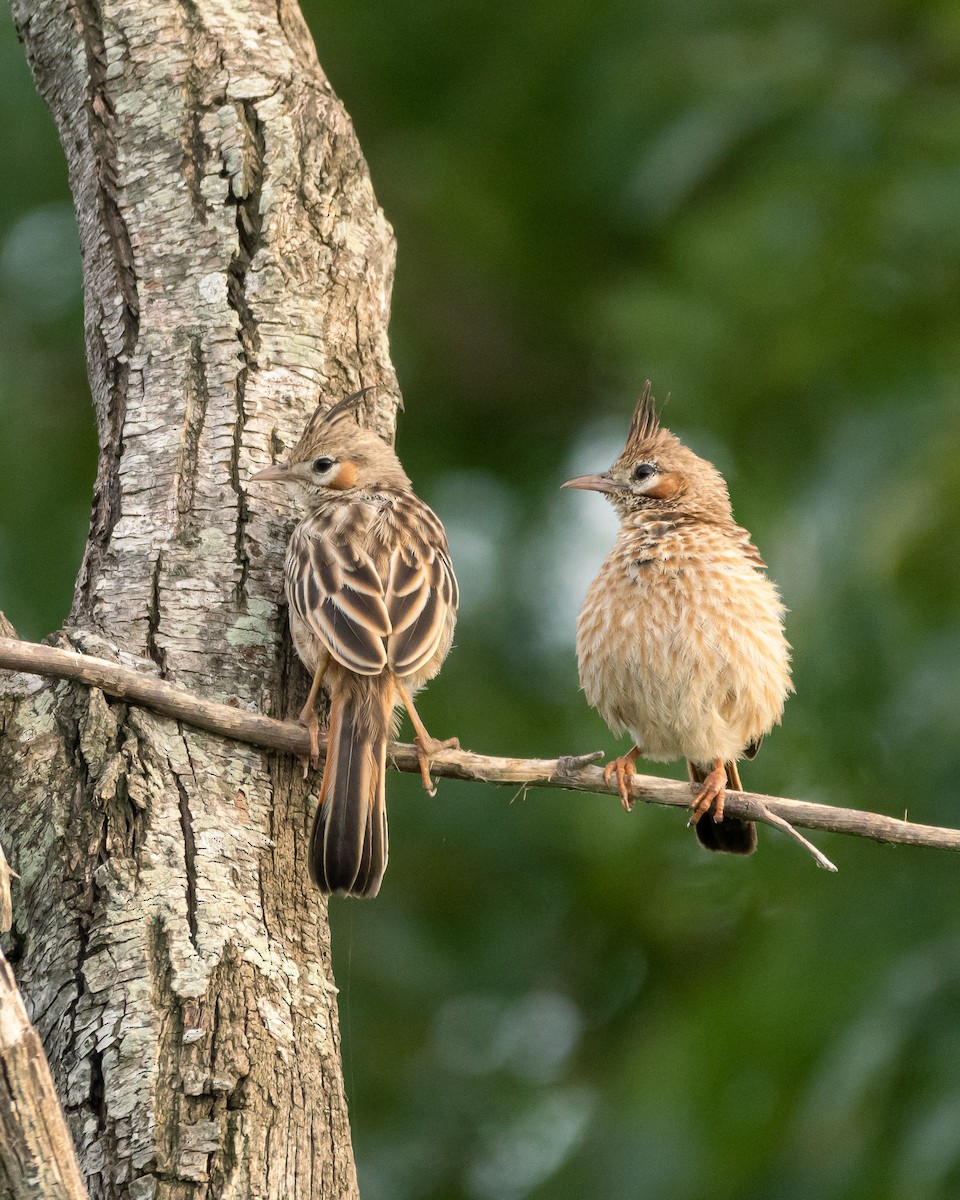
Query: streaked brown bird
x=373, y=603
x=680, y=640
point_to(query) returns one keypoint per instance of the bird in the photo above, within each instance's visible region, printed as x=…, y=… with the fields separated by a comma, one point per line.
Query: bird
x=372, y=600
x=680, y=640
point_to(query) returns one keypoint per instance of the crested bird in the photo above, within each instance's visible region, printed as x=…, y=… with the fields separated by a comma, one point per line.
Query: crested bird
x=372, y=604
x=680, y=639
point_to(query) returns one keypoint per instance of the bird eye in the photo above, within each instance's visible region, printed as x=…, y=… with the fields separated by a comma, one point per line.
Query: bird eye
x=321, y=465
x=644, y=471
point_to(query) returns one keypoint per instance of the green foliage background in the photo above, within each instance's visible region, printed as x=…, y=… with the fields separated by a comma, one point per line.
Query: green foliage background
x=758, y=206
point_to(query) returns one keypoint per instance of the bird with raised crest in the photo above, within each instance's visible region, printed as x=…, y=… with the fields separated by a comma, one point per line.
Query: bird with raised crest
x=372, y=602
x=680, y=640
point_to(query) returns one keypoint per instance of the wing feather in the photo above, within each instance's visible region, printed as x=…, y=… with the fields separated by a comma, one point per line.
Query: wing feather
x=414, y=646
x=421, y=592
x=406, y=608
x=404, y=574
x=364, y=609
x=336, y=591
x=350, y=642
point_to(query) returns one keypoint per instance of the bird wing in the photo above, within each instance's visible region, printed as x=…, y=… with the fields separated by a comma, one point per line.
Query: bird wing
x=335, y=588
x=421, y=588
x=374, y=583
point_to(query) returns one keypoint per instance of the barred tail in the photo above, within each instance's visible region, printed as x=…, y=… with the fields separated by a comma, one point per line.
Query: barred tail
x=731, y=835
x=348, y=843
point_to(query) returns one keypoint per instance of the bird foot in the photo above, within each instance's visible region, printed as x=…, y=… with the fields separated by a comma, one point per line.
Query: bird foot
x=711, y=796
x=623, y=769
x=309, y=720
x=427, y=747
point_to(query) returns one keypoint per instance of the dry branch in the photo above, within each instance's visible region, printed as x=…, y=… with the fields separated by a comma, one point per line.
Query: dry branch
x=571, y=773
x=6, y=902
x=36, y=1153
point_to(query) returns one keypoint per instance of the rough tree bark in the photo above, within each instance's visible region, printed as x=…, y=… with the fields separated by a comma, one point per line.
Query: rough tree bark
x=173, y=956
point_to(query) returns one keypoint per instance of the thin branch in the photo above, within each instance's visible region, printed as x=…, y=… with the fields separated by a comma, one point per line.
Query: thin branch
x=36, y=1154
x=770, y=818
x=571, y=773
x=6, y=902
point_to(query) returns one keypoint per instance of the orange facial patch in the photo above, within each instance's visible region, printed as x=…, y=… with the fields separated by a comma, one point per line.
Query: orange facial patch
x=345, y=477
x=666, y=486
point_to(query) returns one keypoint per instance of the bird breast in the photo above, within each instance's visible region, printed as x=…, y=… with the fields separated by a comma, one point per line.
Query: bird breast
x=680, y=641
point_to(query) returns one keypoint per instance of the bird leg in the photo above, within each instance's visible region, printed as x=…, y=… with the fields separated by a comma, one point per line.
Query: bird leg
x=308, y=716
x=711, y=794
x=426, y=745
x=623, y=768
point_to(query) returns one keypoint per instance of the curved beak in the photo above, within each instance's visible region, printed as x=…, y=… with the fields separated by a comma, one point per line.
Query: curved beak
x=594, y=483
x=268, y=473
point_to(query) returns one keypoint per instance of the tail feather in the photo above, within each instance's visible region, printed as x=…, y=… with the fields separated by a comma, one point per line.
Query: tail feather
x=373, y=860
x=731, y=835
x=348, y=843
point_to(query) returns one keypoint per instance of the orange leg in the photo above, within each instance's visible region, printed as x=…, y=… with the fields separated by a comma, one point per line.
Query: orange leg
x=623, y=768
x=426, y=745
x=711, y=794
x=308, y=716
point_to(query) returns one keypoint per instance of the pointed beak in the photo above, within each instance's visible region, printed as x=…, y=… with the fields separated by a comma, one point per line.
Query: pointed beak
x=268, y=473
x=594, y=483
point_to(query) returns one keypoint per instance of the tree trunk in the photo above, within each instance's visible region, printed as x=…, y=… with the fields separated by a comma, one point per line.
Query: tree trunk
x=173, y=956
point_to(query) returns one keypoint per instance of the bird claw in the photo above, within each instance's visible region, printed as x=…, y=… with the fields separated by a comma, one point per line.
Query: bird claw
x=427, y=747
x=623, y=769
x=710, y=797
x=310, y=722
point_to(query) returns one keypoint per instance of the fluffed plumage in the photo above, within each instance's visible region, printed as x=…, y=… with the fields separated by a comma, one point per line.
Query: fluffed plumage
x=680, y=639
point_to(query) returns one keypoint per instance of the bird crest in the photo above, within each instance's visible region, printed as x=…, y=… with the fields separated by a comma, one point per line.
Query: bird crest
x=328, y=416
x=323, y=419
x=646, y=421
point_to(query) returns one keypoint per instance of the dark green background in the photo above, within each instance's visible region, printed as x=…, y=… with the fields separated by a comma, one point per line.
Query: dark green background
x=758, y=206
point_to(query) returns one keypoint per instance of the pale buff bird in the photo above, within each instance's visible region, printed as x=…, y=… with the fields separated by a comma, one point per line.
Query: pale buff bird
x=373, y=603
x=680, y=639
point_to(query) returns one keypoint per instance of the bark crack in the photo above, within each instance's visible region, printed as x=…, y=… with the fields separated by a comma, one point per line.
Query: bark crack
x=190, y=860
x=114, y=359
x=245, y=192
x=98, y=1091
x=97, y=854
x=196, y=399
x=189, y=845
x=196, y=152
x=154, y=649
x=243, y=514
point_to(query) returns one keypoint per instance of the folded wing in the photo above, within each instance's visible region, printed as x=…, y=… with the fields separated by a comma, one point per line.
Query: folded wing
x=334, y=587
x=376, y=593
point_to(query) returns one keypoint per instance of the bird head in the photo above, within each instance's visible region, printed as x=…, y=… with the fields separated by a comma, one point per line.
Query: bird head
x=656, y=472
x=335, y=456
